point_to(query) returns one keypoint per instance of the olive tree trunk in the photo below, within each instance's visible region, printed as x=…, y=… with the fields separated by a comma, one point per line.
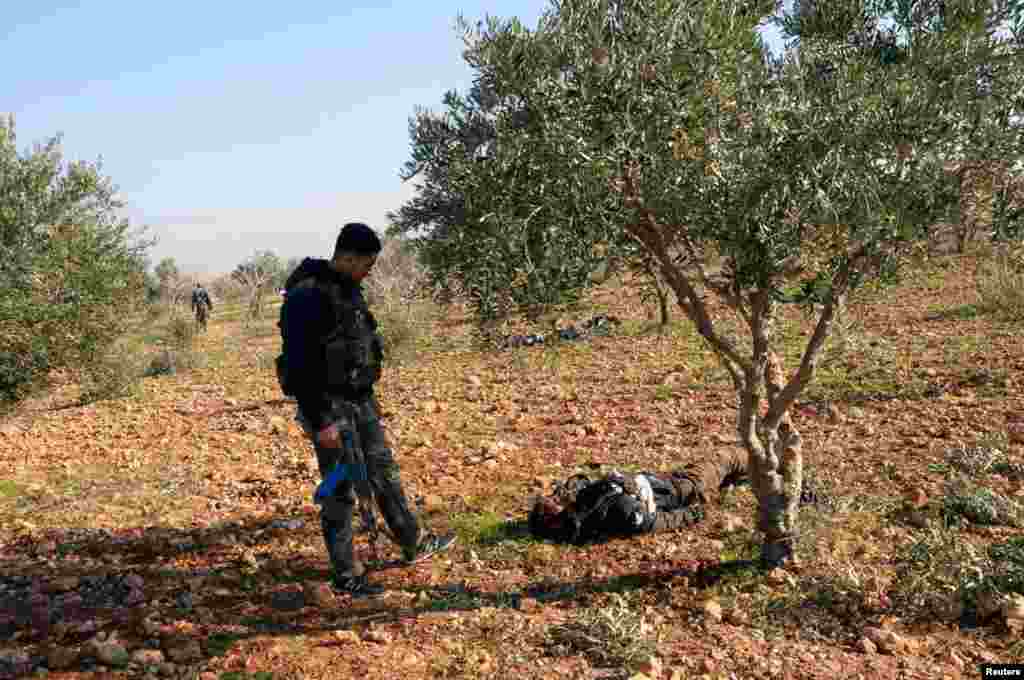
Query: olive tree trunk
x=775, y=466
x=764, y=395
x=662, y=303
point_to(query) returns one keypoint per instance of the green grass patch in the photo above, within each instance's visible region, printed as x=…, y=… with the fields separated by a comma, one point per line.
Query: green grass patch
x=218, y=644
x=987, y=382
x=487, y=529
x=462, y=599
x=633, y=328
x=240, y=675
x=943, y=575
x=967, y=504
x=854, y=365
x=1000, y=287
x=959, y=313
x=610, y=636
x=854, y=383
x=663, y=393
x=933, y=279
x=9, y=489
x=740, y=546
x=731, y=497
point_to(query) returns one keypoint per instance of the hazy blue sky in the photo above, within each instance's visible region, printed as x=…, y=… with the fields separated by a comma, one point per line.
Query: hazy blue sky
x=229, y=126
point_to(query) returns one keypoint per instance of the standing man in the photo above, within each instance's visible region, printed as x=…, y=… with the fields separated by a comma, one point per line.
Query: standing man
x=331, y=358
x=201, y=304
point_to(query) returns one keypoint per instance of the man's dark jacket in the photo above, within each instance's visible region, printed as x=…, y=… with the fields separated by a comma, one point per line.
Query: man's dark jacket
x=200, y=297
x=330, y=345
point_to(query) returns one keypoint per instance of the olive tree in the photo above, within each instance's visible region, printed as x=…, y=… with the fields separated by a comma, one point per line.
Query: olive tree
x=71, y=269
x=174, y=286
x=524, y=262
x=260, y=272
x=664, y=122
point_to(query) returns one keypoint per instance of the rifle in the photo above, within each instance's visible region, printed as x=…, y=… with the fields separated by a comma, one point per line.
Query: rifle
x=352, y=466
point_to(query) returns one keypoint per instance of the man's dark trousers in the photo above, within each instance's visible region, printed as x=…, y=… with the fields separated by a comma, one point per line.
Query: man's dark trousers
x=362, y=419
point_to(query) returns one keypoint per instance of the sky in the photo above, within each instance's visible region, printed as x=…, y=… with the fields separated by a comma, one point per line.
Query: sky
x=233, y=127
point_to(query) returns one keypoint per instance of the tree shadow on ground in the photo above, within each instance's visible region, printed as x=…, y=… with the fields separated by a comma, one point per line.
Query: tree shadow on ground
x=208, y=577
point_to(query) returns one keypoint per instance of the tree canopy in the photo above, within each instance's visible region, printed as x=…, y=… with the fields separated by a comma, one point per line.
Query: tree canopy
x=260, y=272
x=521, y=261
x=664, y=124
x=71, y=268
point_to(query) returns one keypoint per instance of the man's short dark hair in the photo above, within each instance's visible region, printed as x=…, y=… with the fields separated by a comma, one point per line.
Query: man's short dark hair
x=358, y=239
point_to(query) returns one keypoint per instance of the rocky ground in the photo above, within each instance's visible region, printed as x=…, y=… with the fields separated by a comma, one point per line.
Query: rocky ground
x=172, y=534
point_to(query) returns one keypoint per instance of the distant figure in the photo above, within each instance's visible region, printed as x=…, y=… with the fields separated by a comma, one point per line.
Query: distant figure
x=201, y=305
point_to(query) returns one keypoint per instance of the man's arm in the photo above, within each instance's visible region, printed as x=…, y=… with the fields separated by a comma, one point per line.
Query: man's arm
x=303, y=318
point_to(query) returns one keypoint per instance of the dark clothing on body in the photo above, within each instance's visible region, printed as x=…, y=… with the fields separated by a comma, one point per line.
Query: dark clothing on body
x=201, y=299
x=618, y=505
x=614, y=506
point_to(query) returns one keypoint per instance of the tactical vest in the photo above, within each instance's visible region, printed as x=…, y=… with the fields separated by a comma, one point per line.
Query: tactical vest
x=352, y=348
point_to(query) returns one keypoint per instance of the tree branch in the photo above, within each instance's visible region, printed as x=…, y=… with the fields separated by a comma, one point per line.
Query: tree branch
x=688, y=298
x=779, y=406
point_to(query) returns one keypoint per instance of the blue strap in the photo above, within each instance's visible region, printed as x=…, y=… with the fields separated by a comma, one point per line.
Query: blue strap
x=342, y=471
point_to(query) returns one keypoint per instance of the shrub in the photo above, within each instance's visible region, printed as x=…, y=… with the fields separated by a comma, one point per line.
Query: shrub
x=979, y=459
x=615, y=635
x=395, y=291
x=73, y=271
x=20, y=371
x=181, y=333
x=1000, y=283
x=1007, y=574
x=165, y=362
x=966, y=503
x=113, y=376
x=942, y=575
x=402, y=329
x=934, y=573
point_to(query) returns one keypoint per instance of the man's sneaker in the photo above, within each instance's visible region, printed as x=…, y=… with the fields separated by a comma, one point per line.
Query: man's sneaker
x=356, y=586
x=431, y=545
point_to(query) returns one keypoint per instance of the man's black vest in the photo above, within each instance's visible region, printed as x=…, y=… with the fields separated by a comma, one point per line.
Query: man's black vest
x=352, y=349
x=201, y=298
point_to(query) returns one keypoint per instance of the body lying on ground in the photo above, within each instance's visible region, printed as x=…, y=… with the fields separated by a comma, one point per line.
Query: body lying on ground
x=598, y=325
x=582, y=510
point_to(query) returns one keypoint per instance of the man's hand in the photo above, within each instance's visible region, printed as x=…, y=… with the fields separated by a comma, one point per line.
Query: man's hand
x=329, y=437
